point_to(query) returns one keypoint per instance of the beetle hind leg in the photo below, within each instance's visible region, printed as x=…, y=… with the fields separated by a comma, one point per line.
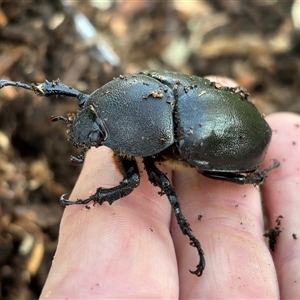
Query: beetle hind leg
x=158, y=178
x=131, y=180
x=256, y=178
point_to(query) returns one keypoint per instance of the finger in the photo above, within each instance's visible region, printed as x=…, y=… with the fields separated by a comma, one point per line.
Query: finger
x=281, y=197
x=239, y=264
x=118, y=251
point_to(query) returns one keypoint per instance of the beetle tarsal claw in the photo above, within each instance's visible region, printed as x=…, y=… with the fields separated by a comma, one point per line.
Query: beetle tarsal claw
x=198, y=271
x=66, y=202
x=275, y=165
x=259, y=177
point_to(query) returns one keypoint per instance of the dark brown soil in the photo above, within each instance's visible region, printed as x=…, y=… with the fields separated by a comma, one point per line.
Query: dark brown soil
x=273, y=233
x=254, y=42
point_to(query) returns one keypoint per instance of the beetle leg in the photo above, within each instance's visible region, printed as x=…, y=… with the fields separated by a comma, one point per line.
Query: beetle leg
x=158, y=178
x=5, y=82
x=58, y=118
x=55, y=87
x=255, y=178
x=79, y=159
x=48, y=88
x=131, y=180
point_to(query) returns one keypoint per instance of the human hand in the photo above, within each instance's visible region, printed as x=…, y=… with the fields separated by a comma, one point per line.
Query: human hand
x=126, y=250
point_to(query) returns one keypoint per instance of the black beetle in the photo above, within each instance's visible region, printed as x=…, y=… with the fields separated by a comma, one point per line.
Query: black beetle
x=159, y=116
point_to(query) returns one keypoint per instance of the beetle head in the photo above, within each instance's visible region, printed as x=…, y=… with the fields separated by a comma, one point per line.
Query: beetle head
x=87, y=129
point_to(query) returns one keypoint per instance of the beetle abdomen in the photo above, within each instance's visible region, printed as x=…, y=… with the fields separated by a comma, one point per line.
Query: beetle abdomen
x=222, y=130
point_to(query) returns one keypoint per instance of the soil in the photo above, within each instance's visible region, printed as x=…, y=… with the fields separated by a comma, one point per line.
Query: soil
x=86, y=44
x=273, y=233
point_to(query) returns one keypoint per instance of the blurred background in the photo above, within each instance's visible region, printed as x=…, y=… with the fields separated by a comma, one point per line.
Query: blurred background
x=86, y=44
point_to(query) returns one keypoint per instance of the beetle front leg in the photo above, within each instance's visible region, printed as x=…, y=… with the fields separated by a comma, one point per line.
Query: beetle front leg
x=131, y=180
x=158, y=178
x=49, y=88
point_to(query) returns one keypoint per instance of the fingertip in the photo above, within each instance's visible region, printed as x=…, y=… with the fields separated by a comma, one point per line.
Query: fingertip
x=223, y=80
x=285, y=144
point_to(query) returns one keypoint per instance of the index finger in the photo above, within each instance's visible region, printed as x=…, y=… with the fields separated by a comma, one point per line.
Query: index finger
x=122, y=250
